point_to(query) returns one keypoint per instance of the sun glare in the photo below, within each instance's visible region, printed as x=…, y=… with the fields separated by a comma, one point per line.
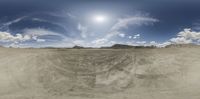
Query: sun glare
x=99, y=18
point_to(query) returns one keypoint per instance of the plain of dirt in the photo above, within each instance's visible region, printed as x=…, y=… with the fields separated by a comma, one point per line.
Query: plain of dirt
x=159, y=73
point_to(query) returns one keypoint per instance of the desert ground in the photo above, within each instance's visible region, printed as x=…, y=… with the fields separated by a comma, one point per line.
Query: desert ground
x=159, y=73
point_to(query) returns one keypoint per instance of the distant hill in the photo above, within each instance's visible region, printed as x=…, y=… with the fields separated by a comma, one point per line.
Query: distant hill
x=146, y=47
x=1, y=46
x=119, y=46
x=77, y=47
x=123, y=46
x=181, y=45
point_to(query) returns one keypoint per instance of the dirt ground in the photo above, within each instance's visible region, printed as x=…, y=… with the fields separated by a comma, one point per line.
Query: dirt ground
x=161, y=73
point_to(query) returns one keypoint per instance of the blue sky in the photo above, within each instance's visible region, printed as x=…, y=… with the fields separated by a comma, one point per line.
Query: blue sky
x=95, y=23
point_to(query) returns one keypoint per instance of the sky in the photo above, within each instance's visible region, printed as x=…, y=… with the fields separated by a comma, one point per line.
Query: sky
x=96, y=23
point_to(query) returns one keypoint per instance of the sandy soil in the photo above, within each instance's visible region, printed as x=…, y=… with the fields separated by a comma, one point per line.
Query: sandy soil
x=165, y=73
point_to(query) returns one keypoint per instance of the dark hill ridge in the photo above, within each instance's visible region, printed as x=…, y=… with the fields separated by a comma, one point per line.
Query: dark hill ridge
x=123, y=46
x=77, y=47
x=181, y=45
x=116, y=46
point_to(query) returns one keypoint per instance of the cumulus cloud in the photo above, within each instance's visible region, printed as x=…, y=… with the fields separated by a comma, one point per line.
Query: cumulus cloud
x=99, y=41
x=27, y=35
x=136, y=36
x=136, y=43
x=163, y=44
x=153, y=43
x=95, y=43
x=79, y=42
x=8, y=37
x=181, y=40
x=186, y=36
x=103, y=42
x=129, y=36
x=141, y=42
x=189, y=34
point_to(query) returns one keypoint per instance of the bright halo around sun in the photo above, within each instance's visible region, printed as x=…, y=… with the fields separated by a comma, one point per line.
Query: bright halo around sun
x=100, y=18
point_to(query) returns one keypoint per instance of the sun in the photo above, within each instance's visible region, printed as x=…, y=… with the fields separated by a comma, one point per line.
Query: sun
x=99, y=18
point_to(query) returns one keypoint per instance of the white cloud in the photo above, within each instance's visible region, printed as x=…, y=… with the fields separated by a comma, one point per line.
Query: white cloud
x=70, y=15
x=83, y=30
x=40, y=40
x=102, y=42
x=126, y=22
x=38, y=19
x=180, y=40
x=141, y=42
x=189, y=34
x=153, y=43
x=7, y=24
x=8, y=37
x=136, y=43
x=79, y=42
x=135, y=20
x=26, y=35
x=163, y=44
x=41, y=32
x=94, y=43
x=186, y=36
x=110, y=35
x=14, y=21
x=122, y=35
x=136, y=36
x=99, y=41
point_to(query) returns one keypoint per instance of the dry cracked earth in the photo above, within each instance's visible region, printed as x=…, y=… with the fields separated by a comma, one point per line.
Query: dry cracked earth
x=161, y=73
